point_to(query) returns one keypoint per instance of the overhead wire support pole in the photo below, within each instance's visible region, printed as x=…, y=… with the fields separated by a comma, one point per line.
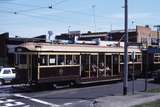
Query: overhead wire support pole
x=125, y=73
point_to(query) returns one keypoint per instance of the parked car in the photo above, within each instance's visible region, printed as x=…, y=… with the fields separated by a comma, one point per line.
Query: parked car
x=156, y=75
x=7, y=75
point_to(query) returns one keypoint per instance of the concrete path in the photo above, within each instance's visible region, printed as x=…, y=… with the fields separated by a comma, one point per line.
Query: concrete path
x=126, y=101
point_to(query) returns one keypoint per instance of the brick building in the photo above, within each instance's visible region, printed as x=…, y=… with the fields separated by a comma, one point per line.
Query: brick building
x=142, y=34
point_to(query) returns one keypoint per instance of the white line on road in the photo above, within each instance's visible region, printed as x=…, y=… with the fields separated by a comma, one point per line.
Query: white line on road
x=37, y=100
x=66, y=104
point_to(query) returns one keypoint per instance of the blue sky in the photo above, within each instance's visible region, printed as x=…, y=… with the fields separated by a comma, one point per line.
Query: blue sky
x=33, y=18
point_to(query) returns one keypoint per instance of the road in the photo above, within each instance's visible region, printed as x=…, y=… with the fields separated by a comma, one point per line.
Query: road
x=83, y=96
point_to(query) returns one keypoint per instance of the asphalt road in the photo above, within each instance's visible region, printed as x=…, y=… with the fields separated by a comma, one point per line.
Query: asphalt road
x=83, y=96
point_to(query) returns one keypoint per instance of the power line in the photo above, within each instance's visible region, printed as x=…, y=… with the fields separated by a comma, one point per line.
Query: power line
x=37, y=7
x=31, y=5
x=56, y=3
x=46, y=18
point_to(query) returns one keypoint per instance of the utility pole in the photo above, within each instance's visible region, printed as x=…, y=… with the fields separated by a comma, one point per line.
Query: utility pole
x=158, y=29
x=125, y=75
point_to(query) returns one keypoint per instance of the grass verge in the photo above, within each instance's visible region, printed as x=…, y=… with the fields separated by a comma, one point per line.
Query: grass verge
x=156, y=90
x=150, y=104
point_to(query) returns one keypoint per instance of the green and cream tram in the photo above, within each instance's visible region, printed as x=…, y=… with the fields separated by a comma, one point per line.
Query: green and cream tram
x=53, y=63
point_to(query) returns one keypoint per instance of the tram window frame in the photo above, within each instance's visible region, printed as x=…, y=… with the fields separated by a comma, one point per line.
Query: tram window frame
x=22, y=59
x=61, y=59
x=52, y=59
x=45, y=59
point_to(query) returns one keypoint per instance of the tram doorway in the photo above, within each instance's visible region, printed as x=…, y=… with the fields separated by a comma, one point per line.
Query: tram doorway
x=32, y=67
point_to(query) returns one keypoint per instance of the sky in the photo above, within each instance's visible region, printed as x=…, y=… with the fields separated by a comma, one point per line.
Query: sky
x=29, y=18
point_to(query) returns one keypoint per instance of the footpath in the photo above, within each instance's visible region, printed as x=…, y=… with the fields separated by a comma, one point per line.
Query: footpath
x=126, y=101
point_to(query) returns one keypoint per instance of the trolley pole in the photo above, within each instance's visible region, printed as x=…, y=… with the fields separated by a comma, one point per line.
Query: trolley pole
x=125, y=73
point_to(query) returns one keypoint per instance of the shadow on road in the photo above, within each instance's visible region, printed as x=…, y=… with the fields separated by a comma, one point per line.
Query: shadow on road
x=39, y=88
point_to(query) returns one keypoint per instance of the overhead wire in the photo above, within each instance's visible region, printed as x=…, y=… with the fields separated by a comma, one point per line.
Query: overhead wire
x=36, y=6
x=63, y=10
x=43, y=7
x=56, y=3
x=46, y=18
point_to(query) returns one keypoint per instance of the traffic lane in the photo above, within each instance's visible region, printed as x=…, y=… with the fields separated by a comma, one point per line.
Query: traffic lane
x=87, y=93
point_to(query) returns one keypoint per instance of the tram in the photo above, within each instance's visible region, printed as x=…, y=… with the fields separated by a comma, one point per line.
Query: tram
x=41, y=63
x=151, y=61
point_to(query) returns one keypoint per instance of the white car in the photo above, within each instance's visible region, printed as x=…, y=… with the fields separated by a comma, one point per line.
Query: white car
x=7, y=75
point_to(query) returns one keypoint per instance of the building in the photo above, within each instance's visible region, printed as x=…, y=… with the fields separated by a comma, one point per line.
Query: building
x=95, y=35
x=8, y=44
x=142, y=34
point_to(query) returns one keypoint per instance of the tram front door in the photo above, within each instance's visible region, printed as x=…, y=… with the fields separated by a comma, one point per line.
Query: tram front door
x=32, y=71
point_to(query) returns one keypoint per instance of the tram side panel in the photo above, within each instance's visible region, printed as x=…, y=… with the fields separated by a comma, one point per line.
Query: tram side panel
x=58, y=74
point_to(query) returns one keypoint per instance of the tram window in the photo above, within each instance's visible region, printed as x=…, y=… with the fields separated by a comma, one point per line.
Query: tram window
x=93, y=66
x=22, y=59
x=43, y=59
x=139, y=59
x=130, y=58
x=75, y=59
x=157, y=57
x=52, y=60
x=121, y=58
x=69, y=60
x=61, y=60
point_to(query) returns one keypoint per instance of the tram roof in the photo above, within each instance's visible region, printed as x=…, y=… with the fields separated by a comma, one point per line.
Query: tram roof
x=72, y=48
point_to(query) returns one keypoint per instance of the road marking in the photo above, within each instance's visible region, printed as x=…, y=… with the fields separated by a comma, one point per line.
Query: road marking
x=10, y=100
x=1, y=101
x=9, y=104
x=37, y=100
x=66, y=104
x=81, y=101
